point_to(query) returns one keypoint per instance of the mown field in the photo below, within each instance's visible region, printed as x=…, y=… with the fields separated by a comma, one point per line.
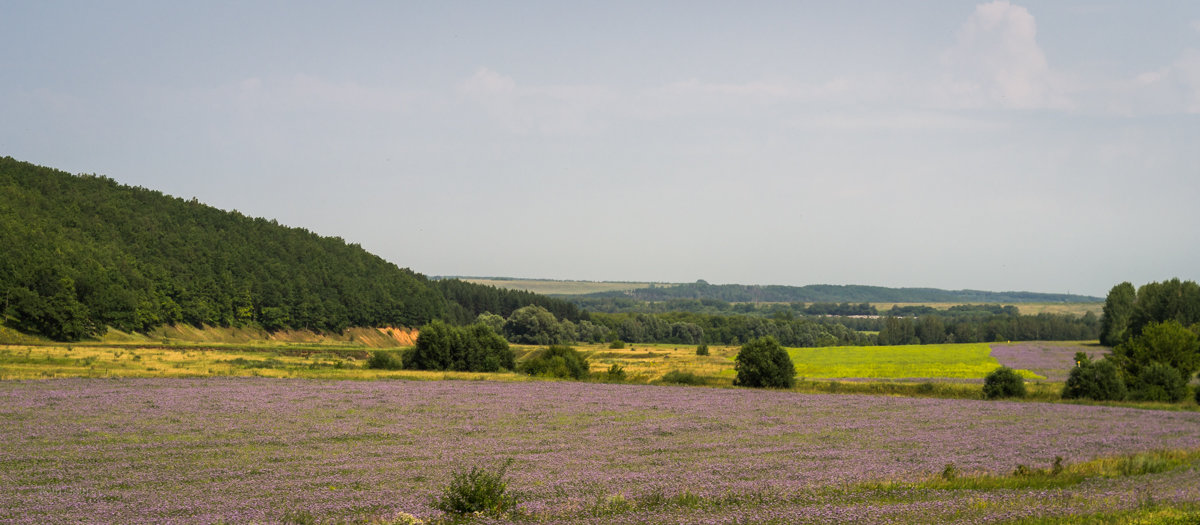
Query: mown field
x=242, y=450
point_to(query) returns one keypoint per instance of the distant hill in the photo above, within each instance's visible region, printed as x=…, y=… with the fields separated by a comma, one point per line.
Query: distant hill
x=559, y=287
x=82, y=253
x=830, y=293
x=741, y=293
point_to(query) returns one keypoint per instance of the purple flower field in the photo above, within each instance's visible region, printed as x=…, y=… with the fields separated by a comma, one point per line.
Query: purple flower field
x=1053, y=361
x=240, y=450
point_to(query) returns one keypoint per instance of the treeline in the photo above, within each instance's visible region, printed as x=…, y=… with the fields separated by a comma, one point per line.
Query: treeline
x=937, y=329
x=536, y=325
x=827, y=293
x=690, y=328
x=469, y=300
x=82, y=253
x=622, y=304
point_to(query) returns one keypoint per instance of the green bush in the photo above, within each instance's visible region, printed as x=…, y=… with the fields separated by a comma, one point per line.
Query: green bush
x=1098, y=380
x=702, y=349
x=764, y=363
x=1003, y=382
x=1159, y=382
x=384, y=360
x=475, y=348
x=615, y=373
x=679, y=377
x=616, y=344
x=478, y=490
x=557, y=361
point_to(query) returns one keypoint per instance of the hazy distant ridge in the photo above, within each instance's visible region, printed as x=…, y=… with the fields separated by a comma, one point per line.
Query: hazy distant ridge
x=834, y=293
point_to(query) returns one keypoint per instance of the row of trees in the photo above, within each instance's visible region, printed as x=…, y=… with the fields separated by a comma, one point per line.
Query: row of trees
x=936, y=329
x=536, y=325
x=690, y=328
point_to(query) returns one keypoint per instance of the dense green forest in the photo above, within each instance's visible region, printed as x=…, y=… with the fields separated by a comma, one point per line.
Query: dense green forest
x=82, y=253
x=825, y=293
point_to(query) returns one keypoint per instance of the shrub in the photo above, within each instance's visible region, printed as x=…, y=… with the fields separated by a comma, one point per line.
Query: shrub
x=1098, y=380
x=680, y=377
x=615, y=373
x=616, y=344
x=1159, y=382
x=1168, y=342
x=475, y=348
x=1003, y=382
x=383, y=360
x=702, y=349
x=950, y=472
x=477, y=491
x=557, y=361
x=764, y=363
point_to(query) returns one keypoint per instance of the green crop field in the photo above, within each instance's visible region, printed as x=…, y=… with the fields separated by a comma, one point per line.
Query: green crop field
x=968, y=360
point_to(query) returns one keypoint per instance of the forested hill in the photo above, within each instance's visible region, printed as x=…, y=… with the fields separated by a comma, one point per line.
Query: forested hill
x=80, y=253
x=828, y=293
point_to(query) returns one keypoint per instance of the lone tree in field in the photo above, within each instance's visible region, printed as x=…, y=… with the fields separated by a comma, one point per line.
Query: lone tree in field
x=1003, y=382
x=764, y=363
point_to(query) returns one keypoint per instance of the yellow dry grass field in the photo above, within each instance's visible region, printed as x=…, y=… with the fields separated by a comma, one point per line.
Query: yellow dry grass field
x=649, y=362
x=382, y=337
x=44, y=362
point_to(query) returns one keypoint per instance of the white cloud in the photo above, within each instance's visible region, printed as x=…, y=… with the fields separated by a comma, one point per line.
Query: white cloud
x=488, y=83
x=1169, y=89
x=540, y=109
x=996, y=61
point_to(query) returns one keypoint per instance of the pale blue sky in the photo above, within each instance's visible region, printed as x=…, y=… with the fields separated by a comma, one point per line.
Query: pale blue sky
x=1044, y=146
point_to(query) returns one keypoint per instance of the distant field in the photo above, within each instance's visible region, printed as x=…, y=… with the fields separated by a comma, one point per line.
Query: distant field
x=642, y=362
x=547, y=287
x=1025, y=308
x=958, y=361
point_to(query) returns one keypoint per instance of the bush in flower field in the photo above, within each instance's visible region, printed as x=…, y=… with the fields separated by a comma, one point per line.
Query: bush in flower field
x=1003, y=382
x=1159, y=382
x=384, y=360
x=1098, y=380
x=478, y=490
x=475, y=348
x=764, y=363
x=557, y=361
x=679, y=377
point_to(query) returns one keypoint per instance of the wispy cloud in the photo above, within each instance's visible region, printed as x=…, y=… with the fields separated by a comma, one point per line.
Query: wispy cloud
x=996, y=61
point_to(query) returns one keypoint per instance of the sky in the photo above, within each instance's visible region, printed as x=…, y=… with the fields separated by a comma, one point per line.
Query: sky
x=1038, y=146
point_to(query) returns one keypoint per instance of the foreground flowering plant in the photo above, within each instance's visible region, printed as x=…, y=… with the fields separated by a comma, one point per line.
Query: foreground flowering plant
x=240, y=450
